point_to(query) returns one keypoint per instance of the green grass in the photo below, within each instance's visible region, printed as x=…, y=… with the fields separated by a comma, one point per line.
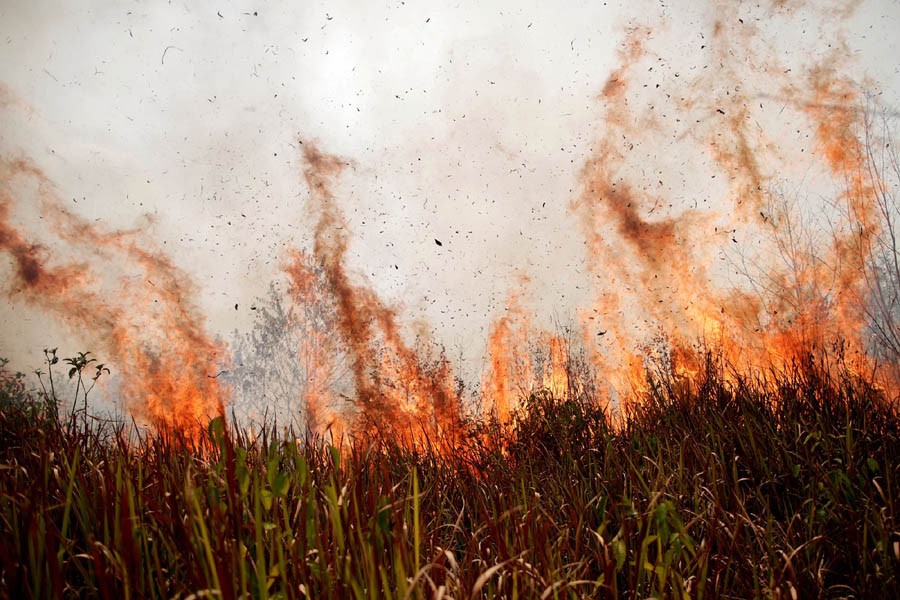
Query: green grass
x=704, y=490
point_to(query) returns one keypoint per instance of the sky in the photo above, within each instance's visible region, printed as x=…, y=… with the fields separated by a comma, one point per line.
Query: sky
x=469, y=123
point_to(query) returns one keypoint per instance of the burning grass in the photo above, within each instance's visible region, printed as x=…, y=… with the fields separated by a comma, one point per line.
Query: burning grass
x=715, y=486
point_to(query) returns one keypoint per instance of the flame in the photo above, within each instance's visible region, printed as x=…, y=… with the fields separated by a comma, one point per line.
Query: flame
x=657, y=297
x=556, y=373
x=397, y=390
x=142, y=316
x=511, y=373
x=658, y=258
x=318, y=352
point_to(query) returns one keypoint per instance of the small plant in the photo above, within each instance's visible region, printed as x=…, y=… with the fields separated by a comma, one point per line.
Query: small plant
x=12, y=385
x=77, y=366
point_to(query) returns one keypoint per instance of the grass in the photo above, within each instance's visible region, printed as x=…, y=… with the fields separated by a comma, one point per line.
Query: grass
x=785, y=488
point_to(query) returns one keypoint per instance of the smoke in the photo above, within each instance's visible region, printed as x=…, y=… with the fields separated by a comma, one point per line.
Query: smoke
x=696, y=180
x=652, y=261
x=129, y=300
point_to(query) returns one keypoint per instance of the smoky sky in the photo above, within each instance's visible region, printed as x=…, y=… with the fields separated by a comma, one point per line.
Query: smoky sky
x=468, y=123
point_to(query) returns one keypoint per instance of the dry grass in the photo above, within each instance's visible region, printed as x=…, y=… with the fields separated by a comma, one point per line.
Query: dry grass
x=783, y=489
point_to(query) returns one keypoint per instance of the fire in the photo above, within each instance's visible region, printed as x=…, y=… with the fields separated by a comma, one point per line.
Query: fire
x=319, y=352
x=129, y=300
x=679, y=194
x=511, y=373
x=396, y=390
x=653, y=269
x=556, y=373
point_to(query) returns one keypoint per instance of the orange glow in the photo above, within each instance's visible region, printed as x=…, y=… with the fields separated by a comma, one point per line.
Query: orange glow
x=692, y=249
x=653, y=267
x=130, y=301
x=318, y=353
x=510, y=375
x=556, y=374
x=397, y=391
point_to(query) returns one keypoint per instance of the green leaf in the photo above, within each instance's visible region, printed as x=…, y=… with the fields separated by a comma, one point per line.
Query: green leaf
x=281, y=484
x=216, y=430
x=242, y=472
x=266, y=497
x=272, y=467
x=335, y=457
x=619, y=551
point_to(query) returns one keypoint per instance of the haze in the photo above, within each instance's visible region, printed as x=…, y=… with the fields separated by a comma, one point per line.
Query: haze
x=467, y=124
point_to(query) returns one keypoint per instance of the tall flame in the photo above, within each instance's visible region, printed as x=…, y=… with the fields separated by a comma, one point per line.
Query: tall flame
x=396, y=390
x=129, y=299
x=511, y=373
x=320, y=351
x=659, y=296
x=681, y=192
x=656, y=291
x=556, y=369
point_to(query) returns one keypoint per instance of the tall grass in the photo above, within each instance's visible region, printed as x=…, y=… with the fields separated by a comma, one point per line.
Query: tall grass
x=785, y=488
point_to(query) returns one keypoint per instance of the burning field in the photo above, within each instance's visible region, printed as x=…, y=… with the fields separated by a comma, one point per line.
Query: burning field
x=688, y=386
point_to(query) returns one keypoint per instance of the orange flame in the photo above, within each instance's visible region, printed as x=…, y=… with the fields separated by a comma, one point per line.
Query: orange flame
x=142, y=318
x=659, y=260
x=318, y=351
x=396, y=389
x=657, y=296
x=556, y=372
x=511, y=372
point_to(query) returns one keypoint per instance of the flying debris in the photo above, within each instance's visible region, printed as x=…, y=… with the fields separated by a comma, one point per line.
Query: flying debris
x=156, y=331
x=648, y=254
x=396, y=389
